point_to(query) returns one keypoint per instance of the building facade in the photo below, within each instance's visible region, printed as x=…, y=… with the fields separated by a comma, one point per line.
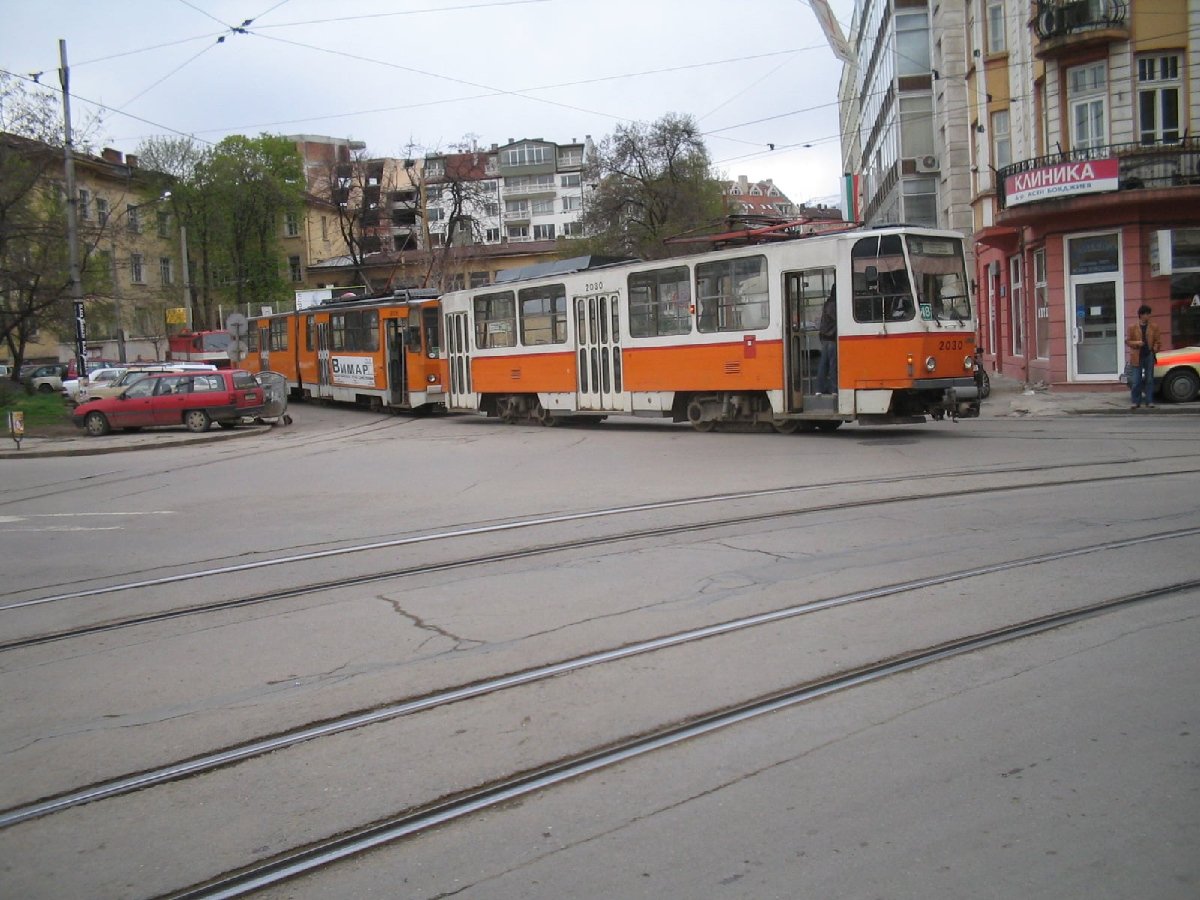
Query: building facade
x=1086, y=181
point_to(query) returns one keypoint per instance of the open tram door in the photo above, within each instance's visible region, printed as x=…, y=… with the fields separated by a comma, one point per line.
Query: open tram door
x=397, y=339
x=805, y=294
x=324, y=374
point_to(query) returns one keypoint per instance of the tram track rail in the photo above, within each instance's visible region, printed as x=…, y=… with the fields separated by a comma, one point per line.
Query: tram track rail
x=410, y=822
x=359, y=719
x=493, y=558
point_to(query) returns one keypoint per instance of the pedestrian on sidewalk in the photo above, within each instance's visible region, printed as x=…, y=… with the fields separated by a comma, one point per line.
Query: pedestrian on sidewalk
x=1142, y=342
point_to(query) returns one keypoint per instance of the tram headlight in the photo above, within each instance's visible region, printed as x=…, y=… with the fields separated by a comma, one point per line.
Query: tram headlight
x=968, y=363
x=930, y=364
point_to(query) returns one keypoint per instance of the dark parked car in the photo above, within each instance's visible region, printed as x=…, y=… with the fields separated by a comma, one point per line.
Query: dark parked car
x=194, y=399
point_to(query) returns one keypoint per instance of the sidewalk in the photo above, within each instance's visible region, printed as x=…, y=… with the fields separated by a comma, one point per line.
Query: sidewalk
x=74, y=442
x=1012, y=399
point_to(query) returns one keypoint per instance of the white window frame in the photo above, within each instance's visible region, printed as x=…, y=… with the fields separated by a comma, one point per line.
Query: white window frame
x=85, y=204
x=1159, y=79
x=1016, y=306
x=291, y=225
x=1001, y=139
x=997, y=39
x=1088, y=98
x=137, y=268
x=572, y=204
x=1041, y=305
x=295, y=269
x=103, y=210
x=166, y=270
x=543, y=232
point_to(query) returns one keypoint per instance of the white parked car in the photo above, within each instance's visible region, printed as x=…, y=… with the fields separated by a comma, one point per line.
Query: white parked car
x=98, y=378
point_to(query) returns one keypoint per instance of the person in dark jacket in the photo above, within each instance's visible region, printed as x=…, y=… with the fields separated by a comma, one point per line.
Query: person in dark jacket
x=827, y=332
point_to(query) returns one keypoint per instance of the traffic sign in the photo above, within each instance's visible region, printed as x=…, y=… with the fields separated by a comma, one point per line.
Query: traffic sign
x=238, y=349
x=235, y=324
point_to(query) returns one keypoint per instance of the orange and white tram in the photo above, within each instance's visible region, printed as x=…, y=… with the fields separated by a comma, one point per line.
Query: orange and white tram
x=729, y=337
x=380, y=352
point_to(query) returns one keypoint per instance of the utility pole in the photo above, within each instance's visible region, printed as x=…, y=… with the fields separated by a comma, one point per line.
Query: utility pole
x=64, y=77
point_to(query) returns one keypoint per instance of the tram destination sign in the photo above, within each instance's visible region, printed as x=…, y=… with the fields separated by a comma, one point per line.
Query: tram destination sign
x=1092, y=176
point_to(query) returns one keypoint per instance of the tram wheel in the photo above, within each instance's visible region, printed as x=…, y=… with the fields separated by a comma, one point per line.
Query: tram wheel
x=704, y=426
x=828, y=426
x=786, y=426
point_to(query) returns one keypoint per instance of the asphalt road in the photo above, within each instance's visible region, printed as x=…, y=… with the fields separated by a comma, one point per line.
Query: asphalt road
x=396, y=553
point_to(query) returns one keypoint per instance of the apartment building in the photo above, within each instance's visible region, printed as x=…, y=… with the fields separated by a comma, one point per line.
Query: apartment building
x=1086, y=181
x=131, y=253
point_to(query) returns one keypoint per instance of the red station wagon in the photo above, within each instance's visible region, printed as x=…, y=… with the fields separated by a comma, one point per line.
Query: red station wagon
x=194, y=399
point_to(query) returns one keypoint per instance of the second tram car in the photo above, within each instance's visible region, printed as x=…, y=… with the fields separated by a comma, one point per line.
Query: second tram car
x=382, y=353
x=211, y=347
x=728, y=338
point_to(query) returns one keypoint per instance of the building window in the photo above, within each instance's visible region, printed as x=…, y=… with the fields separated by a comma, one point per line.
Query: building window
x=164, y=224
x=543, y=207
x=1016, y=307
x=572, y=204
x=527, y=156
x=324, y=228
x=133, y=218
x=572, y=229
x=165, y=272
x=920, y=201
x=996, y=40
x=1041, y=305
x=85, y=204
x=296, y=270
x=517, y=208
x=570, y=181
x=1001, y=140
x=1160, y=93
x=518, y=232
x=479, y=279
x=912, y=44
x=137, y=268
x=543, y=232
x=491, y=236
x=101, y=210
x=435, y=214
x=291, y=225
x=1087, y=95
x=916, y=127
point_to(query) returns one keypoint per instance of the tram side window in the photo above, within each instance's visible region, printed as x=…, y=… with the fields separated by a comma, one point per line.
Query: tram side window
x=543, y=315
x=495, y=320
x=279, y=336
x=252, y=337
x=660, y=302
x=433, y=336
x=310, y=329
x=882, y=292
x=356, y=331
x=731, y=294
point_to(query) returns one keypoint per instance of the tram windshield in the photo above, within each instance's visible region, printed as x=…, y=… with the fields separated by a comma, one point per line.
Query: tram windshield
x=882, y=292
x=941, y=278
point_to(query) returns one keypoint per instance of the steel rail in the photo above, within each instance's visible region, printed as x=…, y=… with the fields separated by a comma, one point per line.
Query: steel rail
x=591, y=514
x=227, y=757
x=290, y=865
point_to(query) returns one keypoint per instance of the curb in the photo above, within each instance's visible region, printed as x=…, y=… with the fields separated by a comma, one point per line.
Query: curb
x=81, y=446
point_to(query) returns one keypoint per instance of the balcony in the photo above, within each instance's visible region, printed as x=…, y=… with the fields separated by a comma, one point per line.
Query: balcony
x=1065, y=26
x=1142, y=166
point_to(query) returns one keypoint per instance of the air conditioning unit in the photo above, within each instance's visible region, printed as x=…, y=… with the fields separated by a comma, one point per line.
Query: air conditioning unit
x=927, y=163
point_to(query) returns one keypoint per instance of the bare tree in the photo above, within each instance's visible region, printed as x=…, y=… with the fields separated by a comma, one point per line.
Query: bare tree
x=460, y=195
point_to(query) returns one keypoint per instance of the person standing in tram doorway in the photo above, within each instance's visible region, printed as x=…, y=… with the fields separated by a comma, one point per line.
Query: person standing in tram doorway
x=1143, y=341
x=827, y=332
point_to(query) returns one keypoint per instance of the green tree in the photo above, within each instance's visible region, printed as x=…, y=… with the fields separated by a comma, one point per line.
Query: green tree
x=232, y=198
x=648, y=183
x=34, y=271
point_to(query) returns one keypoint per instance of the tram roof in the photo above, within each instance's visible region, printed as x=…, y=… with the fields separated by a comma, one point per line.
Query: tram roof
x=560, y=267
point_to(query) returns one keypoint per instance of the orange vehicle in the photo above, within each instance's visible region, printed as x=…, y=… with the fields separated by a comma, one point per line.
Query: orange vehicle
x=729, y=338
x=211, y=347
x=382, y=353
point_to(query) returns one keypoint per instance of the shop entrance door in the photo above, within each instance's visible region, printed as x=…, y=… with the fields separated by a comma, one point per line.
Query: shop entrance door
x=1096, y=296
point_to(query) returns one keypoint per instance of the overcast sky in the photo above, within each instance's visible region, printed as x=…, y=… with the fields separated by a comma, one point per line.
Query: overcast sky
x=432, y=72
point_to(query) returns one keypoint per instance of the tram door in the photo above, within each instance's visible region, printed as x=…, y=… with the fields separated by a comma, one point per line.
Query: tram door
x=598, y=337
x=458, y=358
x=396, y=336
x=804, y=294
x=323, y=373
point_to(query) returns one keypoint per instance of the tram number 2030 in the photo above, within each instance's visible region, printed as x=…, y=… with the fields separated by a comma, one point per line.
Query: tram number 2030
x=951, y=345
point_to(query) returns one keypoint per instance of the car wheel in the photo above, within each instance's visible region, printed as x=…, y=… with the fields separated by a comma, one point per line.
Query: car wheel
x=45, y=389
x=96, y=424
x=196, y=420
x=1181, y=386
